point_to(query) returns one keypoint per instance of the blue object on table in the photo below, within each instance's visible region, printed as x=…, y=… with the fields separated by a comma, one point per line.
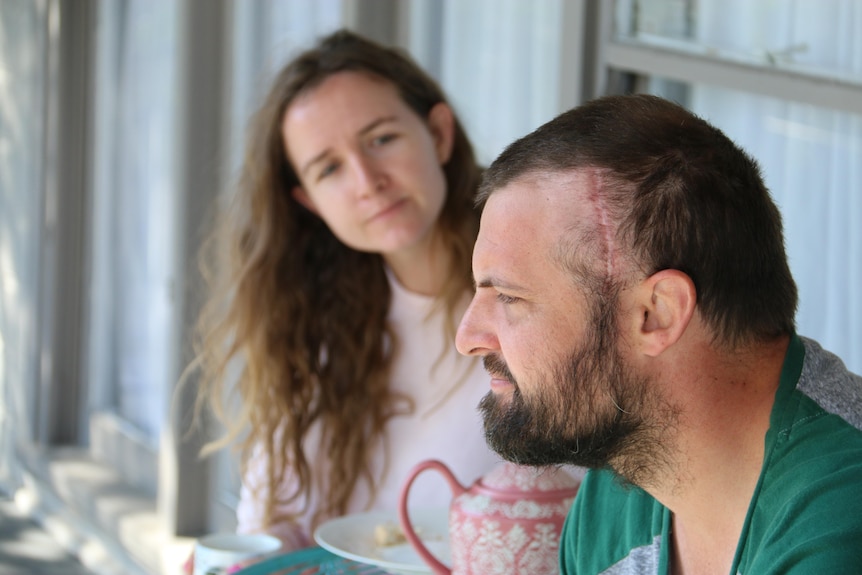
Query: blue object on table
x=310, y=561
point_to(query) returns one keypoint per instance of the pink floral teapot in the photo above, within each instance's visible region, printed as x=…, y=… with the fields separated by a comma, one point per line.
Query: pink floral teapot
x=507, y=523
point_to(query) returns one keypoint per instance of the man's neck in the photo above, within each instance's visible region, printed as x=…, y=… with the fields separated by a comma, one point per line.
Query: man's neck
x=726, y=401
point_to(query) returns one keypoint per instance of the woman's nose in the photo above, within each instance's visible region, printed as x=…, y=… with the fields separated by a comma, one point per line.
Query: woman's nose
x=370, y=177
x=474, y=335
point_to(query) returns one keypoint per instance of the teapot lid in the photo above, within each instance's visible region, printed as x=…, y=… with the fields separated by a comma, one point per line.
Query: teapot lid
x=512, y=477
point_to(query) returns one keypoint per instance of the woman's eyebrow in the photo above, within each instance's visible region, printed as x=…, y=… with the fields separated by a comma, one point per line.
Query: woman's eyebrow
x=377, y=122
x=371, y=126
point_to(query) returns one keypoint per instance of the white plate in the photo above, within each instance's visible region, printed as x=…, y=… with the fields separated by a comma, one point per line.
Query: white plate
x=352, y=537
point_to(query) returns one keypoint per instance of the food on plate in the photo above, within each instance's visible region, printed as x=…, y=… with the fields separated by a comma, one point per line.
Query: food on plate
x=387, y=534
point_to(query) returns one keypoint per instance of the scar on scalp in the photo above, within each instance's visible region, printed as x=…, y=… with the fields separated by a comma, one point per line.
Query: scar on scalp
x=604, y=225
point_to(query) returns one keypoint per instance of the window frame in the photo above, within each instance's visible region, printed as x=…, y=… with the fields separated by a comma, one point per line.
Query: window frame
x=691, y=66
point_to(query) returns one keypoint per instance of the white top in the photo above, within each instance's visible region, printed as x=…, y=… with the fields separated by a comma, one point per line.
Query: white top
x=445, y=425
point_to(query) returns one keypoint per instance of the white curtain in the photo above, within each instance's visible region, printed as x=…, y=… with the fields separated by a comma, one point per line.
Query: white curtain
x=499, y=64
x=134, y=212
x=23, y=92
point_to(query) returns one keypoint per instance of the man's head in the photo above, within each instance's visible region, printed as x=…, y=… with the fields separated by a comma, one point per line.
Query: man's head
x=604, y=232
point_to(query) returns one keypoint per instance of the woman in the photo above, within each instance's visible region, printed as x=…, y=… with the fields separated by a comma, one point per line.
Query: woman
x=349, y=246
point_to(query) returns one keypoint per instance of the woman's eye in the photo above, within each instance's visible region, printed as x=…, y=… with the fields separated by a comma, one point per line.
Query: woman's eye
x=327, y=170
x=507, y=299
x=382, y=139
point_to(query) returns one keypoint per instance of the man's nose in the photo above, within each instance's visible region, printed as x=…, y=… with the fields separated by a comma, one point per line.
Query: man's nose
x=475, y=335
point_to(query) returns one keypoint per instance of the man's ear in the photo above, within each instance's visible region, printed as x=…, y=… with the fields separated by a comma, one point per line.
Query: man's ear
x=300, y=195
x=667, y=301
x=441, y=123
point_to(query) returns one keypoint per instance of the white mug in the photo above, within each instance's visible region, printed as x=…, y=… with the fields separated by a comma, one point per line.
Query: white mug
x=215, y=553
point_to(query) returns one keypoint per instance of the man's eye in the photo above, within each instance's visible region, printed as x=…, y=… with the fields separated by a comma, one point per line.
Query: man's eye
x=507, y=299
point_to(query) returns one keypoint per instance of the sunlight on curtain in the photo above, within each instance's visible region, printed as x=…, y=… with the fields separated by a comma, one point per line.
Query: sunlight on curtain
x=811, y=157
x=22, y=97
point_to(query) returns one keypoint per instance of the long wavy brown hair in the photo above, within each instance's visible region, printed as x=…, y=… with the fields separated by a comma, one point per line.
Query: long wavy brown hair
x=295, y=332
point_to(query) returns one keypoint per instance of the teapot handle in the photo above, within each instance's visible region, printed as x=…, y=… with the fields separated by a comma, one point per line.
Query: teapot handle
x=457, y=489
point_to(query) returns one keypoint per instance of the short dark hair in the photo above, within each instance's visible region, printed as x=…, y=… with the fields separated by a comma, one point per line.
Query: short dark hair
x=682, y=196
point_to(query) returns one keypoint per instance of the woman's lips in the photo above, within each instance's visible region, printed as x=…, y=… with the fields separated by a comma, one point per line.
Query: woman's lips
x=388, y=210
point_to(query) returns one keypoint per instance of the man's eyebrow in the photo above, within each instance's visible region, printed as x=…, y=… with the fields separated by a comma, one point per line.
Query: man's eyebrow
x=496, y=282
x=370, y=127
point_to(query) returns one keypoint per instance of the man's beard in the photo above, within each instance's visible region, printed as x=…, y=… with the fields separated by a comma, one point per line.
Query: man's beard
x=593, y=411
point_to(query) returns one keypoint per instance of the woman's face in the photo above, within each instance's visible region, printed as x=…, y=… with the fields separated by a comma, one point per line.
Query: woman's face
x=367, y=164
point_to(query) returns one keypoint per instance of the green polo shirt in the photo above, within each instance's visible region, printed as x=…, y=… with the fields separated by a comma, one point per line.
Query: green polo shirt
x=805, y=516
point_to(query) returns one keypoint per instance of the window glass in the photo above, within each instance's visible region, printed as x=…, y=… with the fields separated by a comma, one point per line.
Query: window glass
x=818, y=38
